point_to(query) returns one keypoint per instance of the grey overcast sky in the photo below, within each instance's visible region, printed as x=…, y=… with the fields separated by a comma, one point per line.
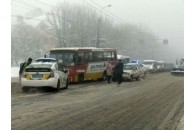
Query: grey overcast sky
x=165, y=18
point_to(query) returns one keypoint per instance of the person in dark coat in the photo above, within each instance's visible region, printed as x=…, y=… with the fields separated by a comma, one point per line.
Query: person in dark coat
x=23, y=66
x=119, y=71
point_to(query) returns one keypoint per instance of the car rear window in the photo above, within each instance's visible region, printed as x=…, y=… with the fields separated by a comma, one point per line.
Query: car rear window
x=40, y=66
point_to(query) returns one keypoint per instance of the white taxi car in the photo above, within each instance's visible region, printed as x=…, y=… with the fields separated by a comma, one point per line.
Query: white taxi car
x=130, y=72
x=44, y=74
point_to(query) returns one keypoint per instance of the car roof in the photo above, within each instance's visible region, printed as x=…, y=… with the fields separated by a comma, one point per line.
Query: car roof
x=46, y=59
x=44, y=63
x=178, y=66
x=131, y=64
x=160, y=61
x=150, y=60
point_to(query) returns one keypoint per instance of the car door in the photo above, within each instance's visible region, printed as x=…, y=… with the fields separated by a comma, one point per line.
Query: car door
x=62, y=75
x=135, y=71
x=141, y=70
x=138, y=71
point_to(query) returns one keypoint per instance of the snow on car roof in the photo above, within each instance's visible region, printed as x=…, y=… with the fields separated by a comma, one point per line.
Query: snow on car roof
x=39, y=63
x=160, y=61
x=42, y=59
x=149, y=61
x=131, y=64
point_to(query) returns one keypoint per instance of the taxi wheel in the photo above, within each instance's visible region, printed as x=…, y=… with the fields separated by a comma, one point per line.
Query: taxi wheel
x=58, y=86
x=131, y=78
x=67, y=83
x=137, y=78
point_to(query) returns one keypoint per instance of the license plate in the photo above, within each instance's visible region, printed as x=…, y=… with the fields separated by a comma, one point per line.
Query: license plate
x=37, y=76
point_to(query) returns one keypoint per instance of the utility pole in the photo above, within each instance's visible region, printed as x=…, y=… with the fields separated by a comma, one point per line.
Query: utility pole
x=99, y=25
x=98, y=31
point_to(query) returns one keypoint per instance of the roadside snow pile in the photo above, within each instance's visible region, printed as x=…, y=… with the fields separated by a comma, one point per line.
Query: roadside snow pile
x=14, y=72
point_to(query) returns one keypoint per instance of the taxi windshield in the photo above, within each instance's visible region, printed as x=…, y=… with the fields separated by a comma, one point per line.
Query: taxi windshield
x=128, y=67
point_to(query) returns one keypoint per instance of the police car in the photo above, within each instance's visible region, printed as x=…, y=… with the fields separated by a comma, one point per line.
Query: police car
x=45, y=72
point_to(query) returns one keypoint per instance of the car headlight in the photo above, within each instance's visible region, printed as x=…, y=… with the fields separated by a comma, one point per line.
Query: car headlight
x=51, y=74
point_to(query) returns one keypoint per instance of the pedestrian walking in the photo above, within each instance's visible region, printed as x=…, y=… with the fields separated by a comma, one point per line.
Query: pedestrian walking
x=119, y=71
x=109, y=71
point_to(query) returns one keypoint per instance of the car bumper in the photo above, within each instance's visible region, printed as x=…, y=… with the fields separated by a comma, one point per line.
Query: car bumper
x=51, y=82
x=177, y=72
x=126, y=77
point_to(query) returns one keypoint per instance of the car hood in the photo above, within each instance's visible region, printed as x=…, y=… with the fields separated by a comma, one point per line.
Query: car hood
x=128, y=71
x=147, y=65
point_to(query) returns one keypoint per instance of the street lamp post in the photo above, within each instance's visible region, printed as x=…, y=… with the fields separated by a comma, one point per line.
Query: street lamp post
x=99, y=24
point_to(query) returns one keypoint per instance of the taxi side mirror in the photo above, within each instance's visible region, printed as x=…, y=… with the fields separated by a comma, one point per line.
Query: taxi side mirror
x=65, y=70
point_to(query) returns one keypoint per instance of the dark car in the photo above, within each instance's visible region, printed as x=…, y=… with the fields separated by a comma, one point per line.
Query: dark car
x=177, y=70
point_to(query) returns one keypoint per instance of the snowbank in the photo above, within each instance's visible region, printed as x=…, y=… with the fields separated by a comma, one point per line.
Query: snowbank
x=14, y=71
